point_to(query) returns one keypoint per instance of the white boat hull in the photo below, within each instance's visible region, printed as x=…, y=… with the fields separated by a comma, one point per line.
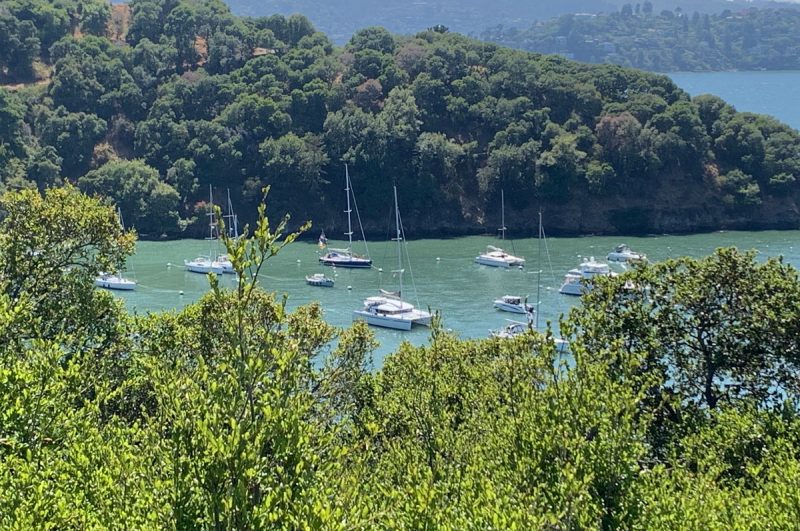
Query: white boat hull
x=573, y=288
x=204, y=268
x=115, y=283
x=395, y=322
x=513, y=308
x=491, y=262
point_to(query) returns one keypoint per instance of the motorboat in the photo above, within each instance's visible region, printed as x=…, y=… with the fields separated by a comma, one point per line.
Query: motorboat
x=346, y=257
x=513, y=304
x=319, y=279
x=623, y=253
x=578, y=281
x=115, y=282
x=495, y=256
x=512, y=329
x=389, y=310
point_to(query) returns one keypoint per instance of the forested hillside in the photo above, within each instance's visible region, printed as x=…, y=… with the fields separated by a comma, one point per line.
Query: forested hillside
x=669, y=41
x=340, y=19
x=187, y=95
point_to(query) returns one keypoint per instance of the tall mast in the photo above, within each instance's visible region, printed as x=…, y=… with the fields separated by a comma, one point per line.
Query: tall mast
x=503, y=214
x=399, y=246
x=233, y=223
x=349, y=210
x=211, y=254
x=539, y=273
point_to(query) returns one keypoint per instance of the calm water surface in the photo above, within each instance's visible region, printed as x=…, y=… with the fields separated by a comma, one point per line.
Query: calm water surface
x=462, y=290
x=775, y=93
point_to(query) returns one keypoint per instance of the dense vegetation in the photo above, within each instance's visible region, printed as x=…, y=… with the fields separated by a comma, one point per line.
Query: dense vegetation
x=669, y=41
x=187, y=95
x=678, y=408
x=340, y=19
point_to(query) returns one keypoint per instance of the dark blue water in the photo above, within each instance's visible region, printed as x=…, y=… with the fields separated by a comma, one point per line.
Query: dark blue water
x=773, y=93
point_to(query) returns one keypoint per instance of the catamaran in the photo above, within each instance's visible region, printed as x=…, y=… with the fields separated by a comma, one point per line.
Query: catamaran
x=495, y=256
x=389, y=310
x=207, y=264
x=346, y=257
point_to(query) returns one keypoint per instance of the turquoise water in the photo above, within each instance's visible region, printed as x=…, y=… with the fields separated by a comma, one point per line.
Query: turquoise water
x=462, y=290
x=773, y=93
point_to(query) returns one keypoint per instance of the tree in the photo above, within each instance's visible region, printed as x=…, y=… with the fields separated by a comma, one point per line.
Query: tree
x=715, y=331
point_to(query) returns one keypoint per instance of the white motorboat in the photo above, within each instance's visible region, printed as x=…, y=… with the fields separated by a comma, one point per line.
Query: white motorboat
x=512, y=329
x=346, y=257
x=389, y=310
x=513, y=304
x=578, y=281
x=623, y=253
x=207, y=263
x=319, y=279
x=495, y=256
x=114, y=281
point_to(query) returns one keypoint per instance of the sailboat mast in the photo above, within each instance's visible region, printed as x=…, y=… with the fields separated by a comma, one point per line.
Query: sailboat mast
x=349, y=210
x=211, y=253
x=399, y=246
x=539, y=273
x=233, y=219
x=502, y=215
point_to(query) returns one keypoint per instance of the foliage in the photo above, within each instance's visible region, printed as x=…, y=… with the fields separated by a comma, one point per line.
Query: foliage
x=234, y=413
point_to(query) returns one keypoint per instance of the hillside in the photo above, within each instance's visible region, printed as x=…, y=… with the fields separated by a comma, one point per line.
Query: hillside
x=197, y=97
x=340, y=19
x=667, y=41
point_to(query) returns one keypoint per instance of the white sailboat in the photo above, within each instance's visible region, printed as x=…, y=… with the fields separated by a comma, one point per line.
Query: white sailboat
x=346, y=257
x=207, y=264
x=389, y=310
x=495, y=256
x=115, y=281
x=232, y=226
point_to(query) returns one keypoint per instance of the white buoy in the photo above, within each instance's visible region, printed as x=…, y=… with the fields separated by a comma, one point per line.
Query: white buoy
x=298, y=260
x=169, y=264
x=380, y=270
x=180, y=293
x=349, y=287
x=438, y=259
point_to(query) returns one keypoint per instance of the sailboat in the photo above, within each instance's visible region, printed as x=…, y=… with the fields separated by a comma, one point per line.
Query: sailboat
x=115, y=281
x=515, y=328
x=346, y=257
x=207, y=264
x=232, y=226
x=389, y=310
x=495, y=256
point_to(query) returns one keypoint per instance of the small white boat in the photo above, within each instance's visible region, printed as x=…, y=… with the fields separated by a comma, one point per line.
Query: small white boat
x=204, y=265
x=512, y=329
x=496, y=257
x=389, y=310
x=319, y=279
x=513, y=304
x=114, y=281
x=346, y=257
x=208, y=264
x=623, y=253
x=578, y=281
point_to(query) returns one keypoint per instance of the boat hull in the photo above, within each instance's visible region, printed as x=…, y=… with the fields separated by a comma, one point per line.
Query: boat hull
x=394, y=322
x=512, y=308
x=118, y=285
x=352, y=264
x=203, y=268
x=573, y=288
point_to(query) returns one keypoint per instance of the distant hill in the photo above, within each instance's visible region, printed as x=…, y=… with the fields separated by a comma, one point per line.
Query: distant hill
x=749, y=39
x=339, y=19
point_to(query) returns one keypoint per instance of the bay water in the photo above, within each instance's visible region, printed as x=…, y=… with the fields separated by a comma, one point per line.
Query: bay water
x=443, y=271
